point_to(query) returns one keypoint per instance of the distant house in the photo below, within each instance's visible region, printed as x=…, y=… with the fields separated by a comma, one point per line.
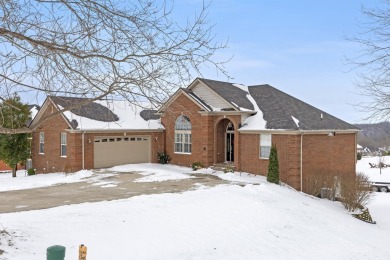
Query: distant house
x=211, y=122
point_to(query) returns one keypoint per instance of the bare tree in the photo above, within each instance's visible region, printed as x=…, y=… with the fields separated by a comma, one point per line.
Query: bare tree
x=373, y=61
x=134, y=50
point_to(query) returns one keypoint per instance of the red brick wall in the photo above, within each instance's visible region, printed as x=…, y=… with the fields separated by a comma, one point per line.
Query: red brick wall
x=288, y=147
x=4, y=167
x=321, y=153
x=202, y=133
x=51, y=161
x=288, y=155
x=220, y=123
x=220, y=137
x=333, y=155
x=156, y=139
x=208, y=133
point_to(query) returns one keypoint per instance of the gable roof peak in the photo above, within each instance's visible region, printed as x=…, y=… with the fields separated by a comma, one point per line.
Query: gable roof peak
x=234, y=93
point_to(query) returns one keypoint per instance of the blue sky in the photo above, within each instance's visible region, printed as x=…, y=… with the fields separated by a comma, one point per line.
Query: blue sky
x=296, y=46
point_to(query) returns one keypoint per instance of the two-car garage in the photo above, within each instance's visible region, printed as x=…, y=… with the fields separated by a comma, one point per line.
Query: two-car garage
x=116, y=150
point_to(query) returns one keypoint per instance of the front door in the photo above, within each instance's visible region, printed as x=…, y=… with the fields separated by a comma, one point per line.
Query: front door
x=229, y=147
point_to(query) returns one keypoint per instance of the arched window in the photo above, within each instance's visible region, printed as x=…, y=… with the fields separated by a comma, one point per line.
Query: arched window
x=183, y=135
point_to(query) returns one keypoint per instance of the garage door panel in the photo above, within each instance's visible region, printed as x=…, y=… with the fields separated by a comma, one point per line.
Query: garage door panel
x=111, y=151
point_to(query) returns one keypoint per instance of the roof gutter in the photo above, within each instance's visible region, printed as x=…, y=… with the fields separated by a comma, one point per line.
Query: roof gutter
x=283, y=131
x=114, y=130
x=82, y=150
x=227, y=112
x=301, y=162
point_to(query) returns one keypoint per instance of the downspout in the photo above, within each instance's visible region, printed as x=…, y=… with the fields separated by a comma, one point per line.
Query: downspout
x=355, y=151
x=301, y=164
x=82, y=149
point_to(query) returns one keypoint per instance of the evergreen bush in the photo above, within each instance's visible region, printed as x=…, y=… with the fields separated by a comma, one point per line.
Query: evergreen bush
x=196, y=165
x=228, y=169
x=273, y=166
x=163, y=158
x=30, y=172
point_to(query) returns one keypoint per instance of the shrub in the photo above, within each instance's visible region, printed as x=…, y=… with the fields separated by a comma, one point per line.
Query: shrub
x=30, y=172
x=196, y=165
x=228, y=169
x=354, y=191
x=359, y=156
x=273, y=166
x=163, y=158
x=317, y=180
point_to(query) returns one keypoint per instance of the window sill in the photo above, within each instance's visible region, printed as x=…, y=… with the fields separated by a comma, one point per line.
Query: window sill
x=182, y=153
x=263, y=158
x=63, y=156
x=42, y=153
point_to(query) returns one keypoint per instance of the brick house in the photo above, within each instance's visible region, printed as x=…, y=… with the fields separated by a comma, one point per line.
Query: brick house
x=211, y=122
x=101, y=134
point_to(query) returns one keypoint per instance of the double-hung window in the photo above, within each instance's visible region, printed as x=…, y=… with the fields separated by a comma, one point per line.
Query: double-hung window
x=183, y=135
x=63, y=144
x=265, y=145
x=42, y=142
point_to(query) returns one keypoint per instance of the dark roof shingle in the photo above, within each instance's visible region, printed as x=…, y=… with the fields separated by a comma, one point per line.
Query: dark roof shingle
x=149, y=115
x=279, y=107
x=230, y=93
x=91, y=110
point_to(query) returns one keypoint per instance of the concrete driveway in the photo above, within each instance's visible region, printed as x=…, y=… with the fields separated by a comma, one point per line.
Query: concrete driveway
x=112, y=187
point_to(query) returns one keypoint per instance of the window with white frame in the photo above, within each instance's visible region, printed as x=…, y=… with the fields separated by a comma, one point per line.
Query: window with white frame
x=63, y=144
x=265, y=145
x=42, y=142
x=183, y=135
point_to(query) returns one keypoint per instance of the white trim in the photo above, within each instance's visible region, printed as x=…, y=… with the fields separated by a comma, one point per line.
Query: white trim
x=174, y=97
x=62, y=144
x=301, y=162
x=198, y=80
x=102, y=131
x=183, y=143
x=298, y=132
x=41, y=141
x=269, y=138
x=226, y=134
x=226, y=113
x=43, y=109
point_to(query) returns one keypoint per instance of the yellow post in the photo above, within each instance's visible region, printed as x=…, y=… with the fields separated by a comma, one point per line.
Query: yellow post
x=82, y=252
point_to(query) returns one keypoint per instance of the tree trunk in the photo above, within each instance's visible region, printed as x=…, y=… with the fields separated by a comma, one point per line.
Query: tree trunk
x=14, y=169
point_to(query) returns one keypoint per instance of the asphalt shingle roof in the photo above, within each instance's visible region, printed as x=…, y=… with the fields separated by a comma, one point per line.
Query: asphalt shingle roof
x=230, y=93
x=279, y=107
x=149, y=115
x=91, y=110
x=196, y=97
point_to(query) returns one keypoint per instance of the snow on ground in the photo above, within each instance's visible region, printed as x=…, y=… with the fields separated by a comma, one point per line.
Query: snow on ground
x=151, y=173
x=374, y=173
x=238, y=177
x=22, y=181
x=263, y=221
x=155, y=172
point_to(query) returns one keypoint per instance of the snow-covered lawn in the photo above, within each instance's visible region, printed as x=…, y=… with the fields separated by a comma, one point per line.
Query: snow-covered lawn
x=22, y=181
x=158, y=172
x=375, y=174
x=257, y=220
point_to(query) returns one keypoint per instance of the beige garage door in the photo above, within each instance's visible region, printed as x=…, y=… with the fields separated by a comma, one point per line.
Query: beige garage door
x=111, y=151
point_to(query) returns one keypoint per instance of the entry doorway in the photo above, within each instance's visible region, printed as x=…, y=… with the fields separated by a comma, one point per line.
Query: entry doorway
x=229, y=144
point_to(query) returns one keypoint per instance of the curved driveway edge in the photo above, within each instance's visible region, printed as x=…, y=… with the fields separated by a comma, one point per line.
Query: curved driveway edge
x=119, y=186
